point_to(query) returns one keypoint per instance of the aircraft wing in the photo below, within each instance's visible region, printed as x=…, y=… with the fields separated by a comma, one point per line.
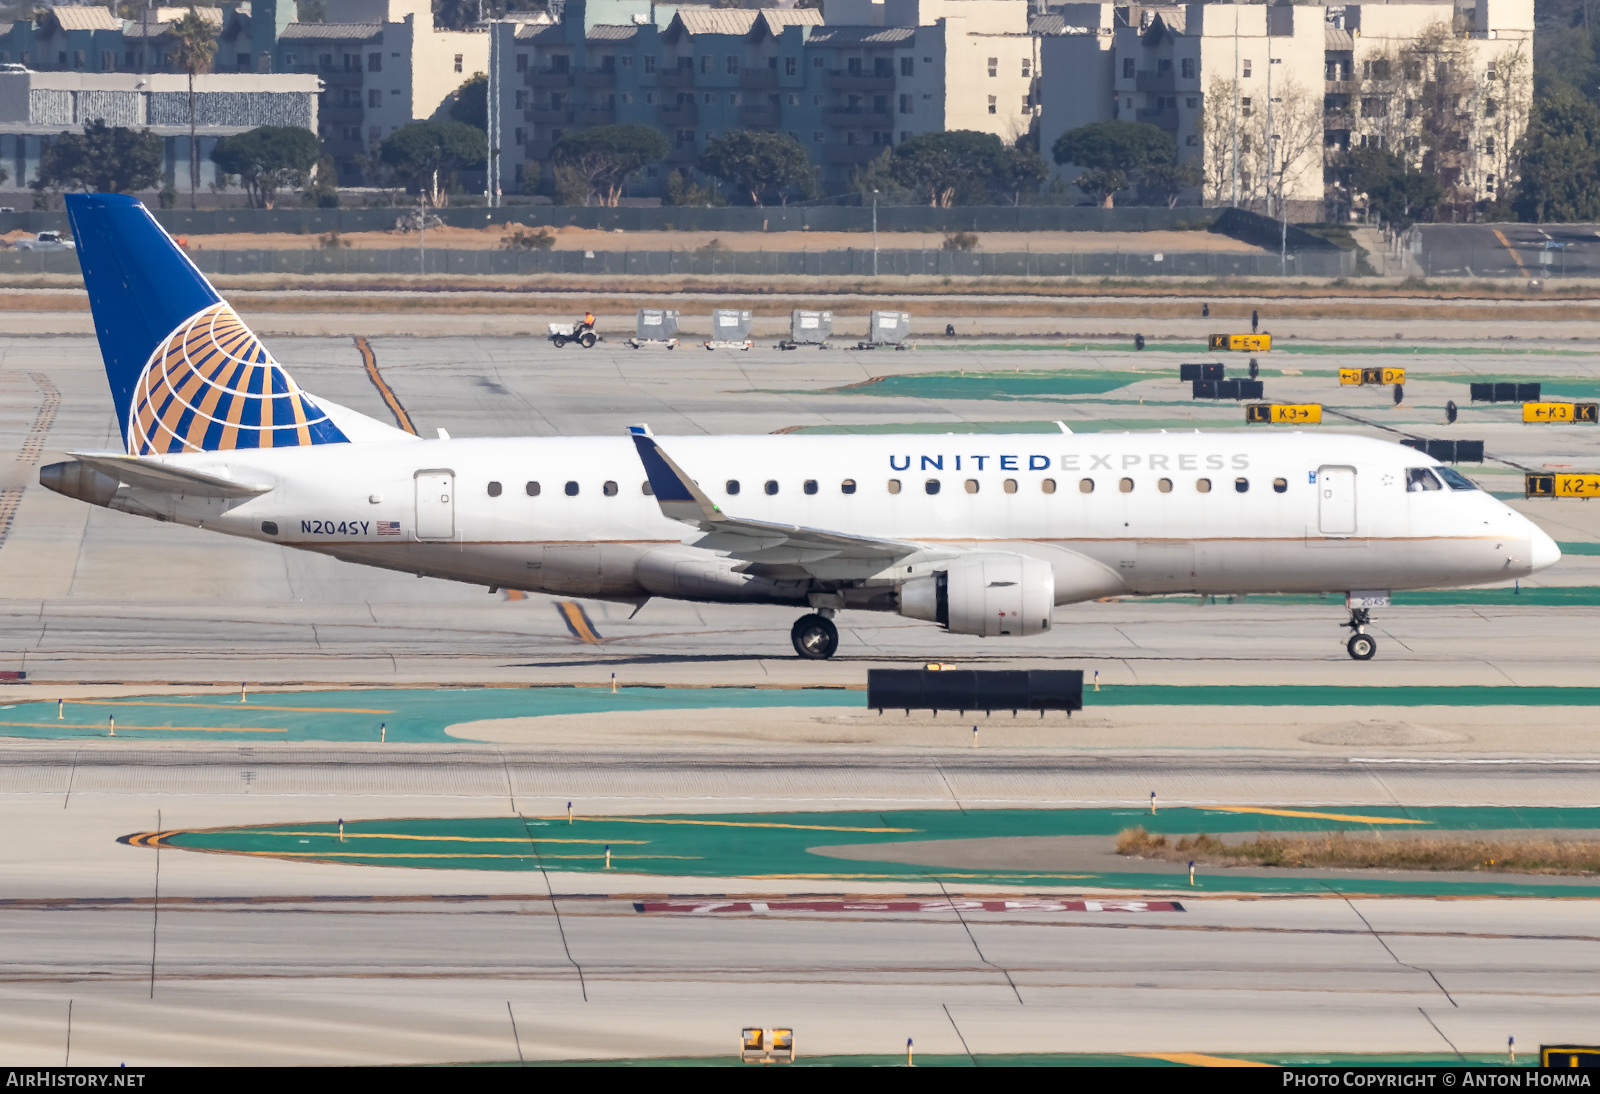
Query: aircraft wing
x=150, y=474
x=759, y=541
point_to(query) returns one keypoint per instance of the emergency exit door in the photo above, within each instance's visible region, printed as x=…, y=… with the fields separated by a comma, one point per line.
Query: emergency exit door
x=436, y=504
x=1336, y=500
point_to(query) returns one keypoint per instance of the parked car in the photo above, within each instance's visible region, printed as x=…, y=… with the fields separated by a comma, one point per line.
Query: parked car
x=46, y=241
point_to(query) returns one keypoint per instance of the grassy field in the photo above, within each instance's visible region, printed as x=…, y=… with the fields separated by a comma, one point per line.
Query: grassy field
x=1534, y=855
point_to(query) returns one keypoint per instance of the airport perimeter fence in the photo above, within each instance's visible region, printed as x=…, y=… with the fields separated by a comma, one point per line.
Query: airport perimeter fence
x=824, y=218
x=1502, y=262
x=847, y=263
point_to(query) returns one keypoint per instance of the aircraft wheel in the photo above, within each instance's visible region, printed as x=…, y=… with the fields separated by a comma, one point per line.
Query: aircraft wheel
x=1362, y=646
x=587, y=340
x=814, y=638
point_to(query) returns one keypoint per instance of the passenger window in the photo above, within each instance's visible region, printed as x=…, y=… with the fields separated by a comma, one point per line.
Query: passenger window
x=1126, y=486
x=494, y=490
x=810, y=486
x=1241, y=485
x=931, y=486
x=972, y=486
x=572, y=489
x=1202, y=486
x=772, y=486
x=1164, y=485
x=1280, y=486
x=1085, y=486
x=1419, y=479
x=1009, y=486
x=533, y=489
x=646, y=489
x=1048, y=486
x=848, y=486
x=732, y=486
x=894, y=486
x=609, y=489
x=1454, y=479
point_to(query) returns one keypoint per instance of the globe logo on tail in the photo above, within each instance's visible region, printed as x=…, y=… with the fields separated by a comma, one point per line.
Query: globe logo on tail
x=212, y=386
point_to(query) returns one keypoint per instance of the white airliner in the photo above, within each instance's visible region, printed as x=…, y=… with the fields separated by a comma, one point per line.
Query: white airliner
x=984, y=535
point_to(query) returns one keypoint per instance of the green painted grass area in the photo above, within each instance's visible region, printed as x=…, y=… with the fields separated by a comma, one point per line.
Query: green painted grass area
x=356, y=715
x=775, y=846
x=1057, y=384
x=998, y=385
x=421, y=715
x=1570, y=548
x=1544, y=596
x=1103, y=425
x=1335, y=695
x=1398, y=349
x=1068, y=1059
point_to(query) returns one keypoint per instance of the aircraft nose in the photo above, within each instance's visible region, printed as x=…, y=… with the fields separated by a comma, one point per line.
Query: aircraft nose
x=1544, y=551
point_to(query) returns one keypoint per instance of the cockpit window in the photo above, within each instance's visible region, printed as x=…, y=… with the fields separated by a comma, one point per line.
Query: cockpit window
x=1454, y=479
x=1420, y=478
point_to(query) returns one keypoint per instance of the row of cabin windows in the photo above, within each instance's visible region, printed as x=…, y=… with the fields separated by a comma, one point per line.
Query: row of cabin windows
x=1241, y=485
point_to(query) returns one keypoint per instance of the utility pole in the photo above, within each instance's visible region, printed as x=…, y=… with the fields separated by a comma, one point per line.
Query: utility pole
x=422, y=233
x=492, y=166
x=874, y=233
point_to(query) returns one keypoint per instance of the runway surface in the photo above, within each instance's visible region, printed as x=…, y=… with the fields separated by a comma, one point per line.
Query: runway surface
x=269, y=961
x=261, y=960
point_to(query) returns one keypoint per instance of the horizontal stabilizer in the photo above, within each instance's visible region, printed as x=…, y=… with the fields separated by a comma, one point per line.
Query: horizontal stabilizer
x=144, y=474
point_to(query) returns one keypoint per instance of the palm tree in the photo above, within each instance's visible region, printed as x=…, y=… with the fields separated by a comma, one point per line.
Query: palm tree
x=197, y=44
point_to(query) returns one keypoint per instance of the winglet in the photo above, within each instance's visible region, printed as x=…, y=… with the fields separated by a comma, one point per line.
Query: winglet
x=675, y=491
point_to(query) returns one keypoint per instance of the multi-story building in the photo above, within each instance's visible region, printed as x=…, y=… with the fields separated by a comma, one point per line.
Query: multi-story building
x=382, y=64
x=1257, y=97
x=848, y=82
x=35, y=106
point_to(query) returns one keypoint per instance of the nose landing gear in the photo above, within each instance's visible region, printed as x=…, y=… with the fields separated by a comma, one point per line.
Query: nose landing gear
x=1361, y=645
x=815, y=637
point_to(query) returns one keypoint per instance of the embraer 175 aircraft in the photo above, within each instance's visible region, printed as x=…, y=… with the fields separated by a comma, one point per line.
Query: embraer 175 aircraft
x=984, y=535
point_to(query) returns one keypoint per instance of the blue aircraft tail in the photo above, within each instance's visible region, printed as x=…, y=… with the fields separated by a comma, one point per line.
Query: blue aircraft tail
x=186, y=374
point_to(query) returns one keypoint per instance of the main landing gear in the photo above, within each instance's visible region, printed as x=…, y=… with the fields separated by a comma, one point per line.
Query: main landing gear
x=815, y=637
x=1361, y=645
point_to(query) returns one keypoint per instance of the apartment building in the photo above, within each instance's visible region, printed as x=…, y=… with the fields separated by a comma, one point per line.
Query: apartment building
x=35, y=106
x=382, y=64
x=848, y=82
x=1258, y=98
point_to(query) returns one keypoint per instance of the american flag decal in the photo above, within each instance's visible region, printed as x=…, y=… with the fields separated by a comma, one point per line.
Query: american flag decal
x=388, y=528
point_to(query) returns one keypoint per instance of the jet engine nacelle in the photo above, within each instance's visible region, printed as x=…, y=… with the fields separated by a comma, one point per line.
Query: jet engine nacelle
x=988, y=595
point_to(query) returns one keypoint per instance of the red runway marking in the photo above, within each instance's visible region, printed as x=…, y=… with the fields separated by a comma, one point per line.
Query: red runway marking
x=720, y=907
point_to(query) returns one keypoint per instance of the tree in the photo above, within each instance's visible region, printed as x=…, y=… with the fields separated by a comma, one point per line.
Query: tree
x=1165, y=183
x=470, y=103
x=428, y=154
x=949, y=168
x=268, y=159
x=1397, y=191
x=1099, y=183
x=1018, y=170
x=1218, y=139
x=197, y=44
x=601, y=158
x=1293, y=148
x=1123, y=147
x=757, y=162
x=102, y=159
x=1560, y=160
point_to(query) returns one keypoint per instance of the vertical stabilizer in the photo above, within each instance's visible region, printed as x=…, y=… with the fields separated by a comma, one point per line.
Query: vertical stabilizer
x=186, y=374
